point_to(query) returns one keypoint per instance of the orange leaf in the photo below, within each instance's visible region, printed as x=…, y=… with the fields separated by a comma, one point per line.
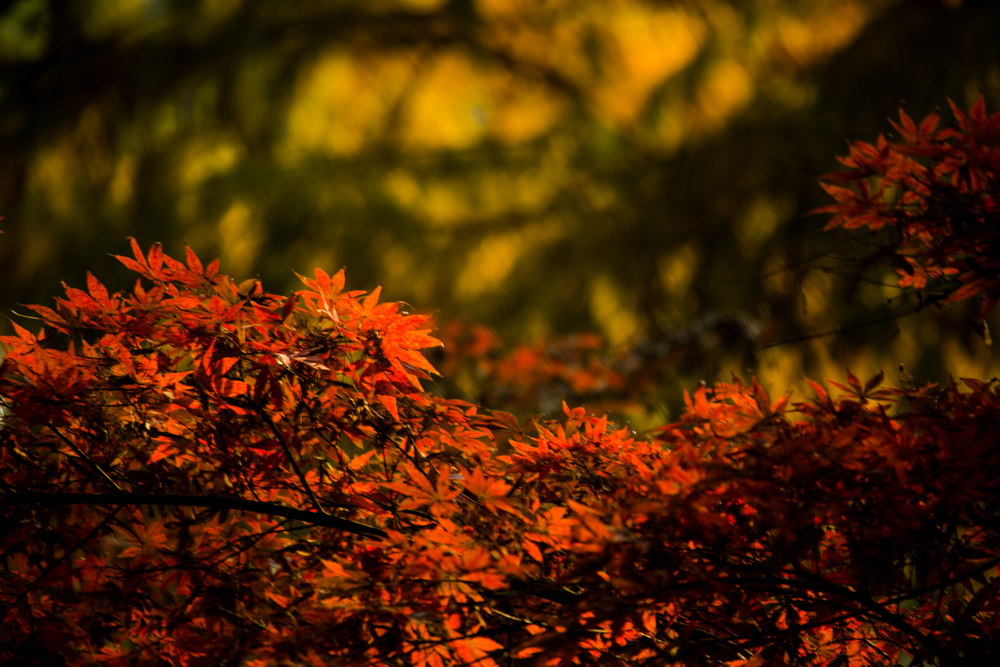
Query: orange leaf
x=763, y=402
x=390, y=404
x=532, y=550
x=475, y=649
x=193, y=262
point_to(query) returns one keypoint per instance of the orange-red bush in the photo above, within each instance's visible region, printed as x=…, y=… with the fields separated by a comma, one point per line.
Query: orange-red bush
x=198, y=473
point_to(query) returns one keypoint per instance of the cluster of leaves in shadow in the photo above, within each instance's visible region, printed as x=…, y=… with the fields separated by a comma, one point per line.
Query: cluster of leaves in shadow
x=535, y=378
x=199, y=472
x=937, y=188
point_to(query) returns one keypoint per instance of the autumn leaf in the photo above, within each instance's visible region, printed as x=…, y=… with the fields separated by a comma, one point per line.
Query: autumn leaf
x=146, y=539
x=475, y=650
x=491, y=493
x=419, y=491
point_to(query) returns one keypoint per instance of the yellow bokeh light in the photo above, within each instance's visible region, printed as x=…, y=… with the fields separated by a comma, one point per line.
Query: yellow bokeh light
x=612, y=313
x=490, y=264
x=443, y=205
x=976, y=361
x=207, y=158
x=677, y=269
x=51, y=177
x=201, y=160
x=342, y=100
x=401, y=267
x=727, y=88
x=495, y=9
x=798, y=41
x=815, y=291
x=647, y=46
x=448, y=108
x=239, y=234
x=403, y=187
x=780, y=369
x=759, y=221
x=676, y=272
x=123, y=180
x=521, y=110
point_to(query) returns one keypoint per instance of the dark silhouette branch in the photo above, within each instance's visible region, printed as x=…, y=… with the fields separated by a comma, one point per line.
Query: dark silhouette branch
x=180, y=500
x=850, y=328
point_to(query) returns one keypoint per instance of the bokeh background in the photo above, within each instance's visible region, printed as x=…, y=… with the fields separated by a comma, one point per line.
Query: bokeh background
x=640, y=169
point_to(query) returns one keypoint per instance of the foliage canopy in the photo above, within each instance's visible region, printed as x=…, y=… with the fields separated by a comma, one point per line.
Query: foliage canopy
x=197, y=471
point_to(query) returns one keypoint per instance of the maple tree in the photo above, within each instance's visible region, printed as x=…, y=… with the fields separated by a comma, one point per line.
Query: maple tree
x=200, y=472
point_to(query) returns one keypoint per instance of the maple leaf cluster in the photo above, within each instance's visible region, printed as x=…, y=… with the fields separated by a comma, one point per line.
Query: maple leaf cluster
x=198, y=472
x=939, y=189
x=531, y=378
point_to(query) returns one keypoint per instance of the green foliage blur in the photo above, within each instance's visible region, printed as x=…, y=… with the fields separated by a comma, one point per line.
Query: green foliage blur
x=635, y=168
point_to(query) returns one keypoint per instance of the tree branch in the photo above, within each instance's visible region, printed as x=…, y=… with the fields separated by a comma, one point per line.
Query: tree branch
x=180, y=500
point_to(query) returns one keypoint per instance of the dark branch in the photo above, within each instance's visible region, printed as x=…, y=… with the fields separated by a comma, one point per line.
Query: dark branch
x=178, y=500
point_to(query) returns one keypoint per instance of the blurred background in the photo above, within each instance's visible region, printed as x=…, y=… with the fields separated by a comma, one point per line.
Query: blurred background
x=638, y=169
